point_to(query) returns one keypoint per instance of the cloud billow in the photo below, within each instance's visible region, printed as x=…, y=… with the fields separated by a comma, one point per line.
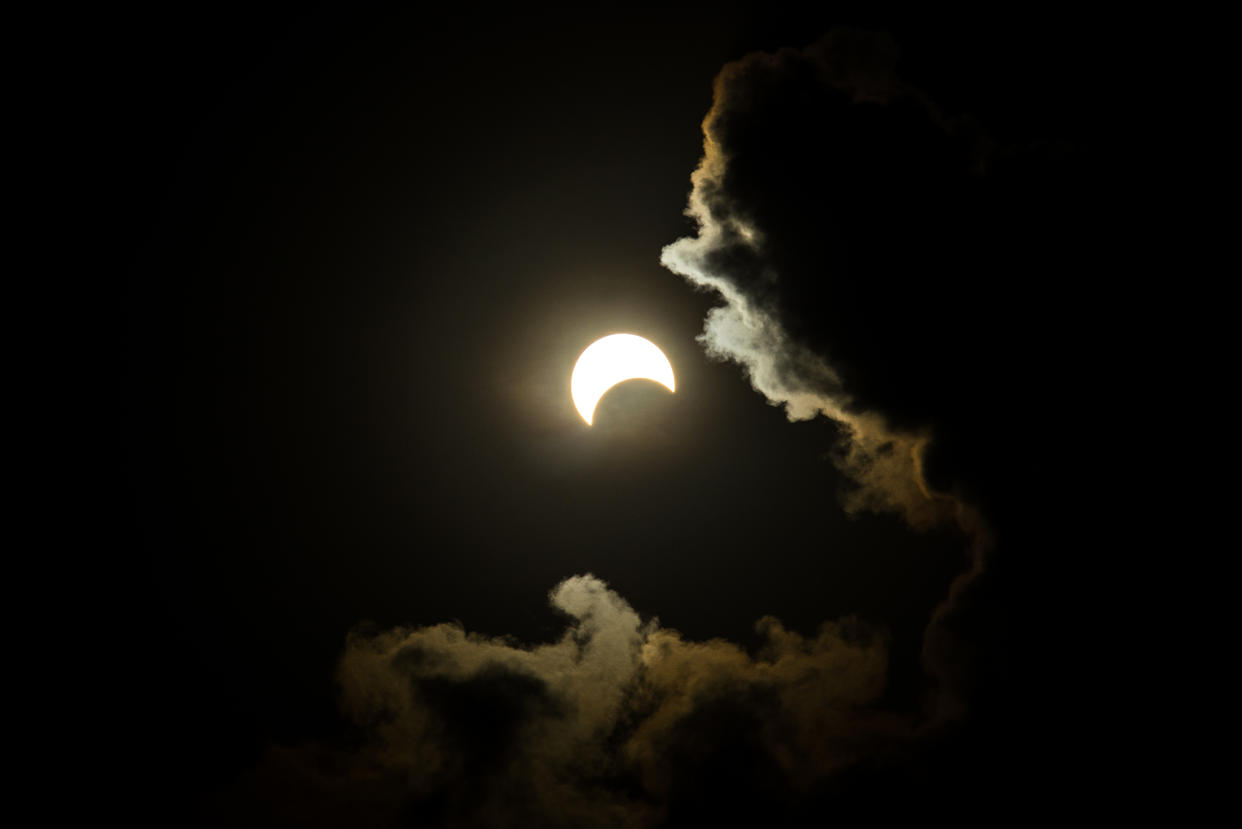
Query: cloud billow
x=822, y=202
x=888, y=265
x=614, y=724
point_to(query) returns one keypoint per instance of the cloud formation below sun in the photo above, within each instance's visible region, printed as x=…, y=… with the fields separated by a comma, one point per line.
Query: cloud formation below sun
x=599, y=728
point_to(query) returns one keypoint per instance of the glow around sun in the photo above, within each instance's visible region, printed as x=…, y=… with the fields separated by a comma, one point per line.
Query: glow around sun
x=615, y=359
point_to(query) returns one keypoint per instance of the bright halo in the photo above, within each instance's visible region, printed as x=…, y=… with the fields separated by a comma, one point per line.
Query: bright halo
x=615, y=359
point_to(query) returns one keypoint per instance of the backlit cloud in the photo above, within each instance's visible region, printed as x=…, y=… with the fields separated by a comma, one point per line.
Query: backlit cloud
x=613, y=724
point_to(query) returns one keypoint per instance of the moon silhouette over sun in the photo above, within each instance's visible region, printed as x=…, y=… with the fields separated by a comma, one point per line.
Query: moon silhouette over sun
x=615, y=359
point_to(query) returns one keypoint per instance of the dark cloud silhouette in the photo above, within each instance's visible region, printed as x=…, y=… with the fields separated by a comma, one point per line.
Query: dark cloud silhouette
x=888, y=265
x=837, y=213
x=882, y=262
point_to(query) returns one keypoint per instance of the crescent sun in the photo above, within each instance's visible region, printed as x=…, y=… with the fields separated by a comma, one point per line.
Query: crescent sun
x=615, y=359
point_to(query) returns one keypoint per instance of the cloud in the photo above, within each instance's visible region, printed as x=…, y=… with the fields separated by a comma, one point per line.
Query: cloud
x=887, y=264
x=789, y=155
x=620, y=722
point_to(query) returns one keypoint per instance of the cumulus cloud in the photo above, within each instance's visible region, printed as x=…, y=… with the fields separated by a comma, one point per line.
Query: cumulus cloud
x=888, y=264
x=620, y=722
x=760, y=169
x=885, y=263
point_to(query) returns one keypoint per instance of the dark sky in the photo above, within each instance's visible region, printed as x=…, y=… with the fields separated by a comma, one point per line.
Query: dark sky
x=364, y=251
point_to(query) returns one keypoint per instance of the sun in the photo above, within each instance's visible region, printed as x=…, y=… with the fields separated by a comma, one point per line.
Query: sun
x=615, y=359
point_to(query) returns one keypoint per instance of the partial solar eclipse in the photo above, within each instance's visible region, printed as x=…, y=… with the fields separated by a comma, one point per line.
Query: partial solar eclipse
x=615, y=359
